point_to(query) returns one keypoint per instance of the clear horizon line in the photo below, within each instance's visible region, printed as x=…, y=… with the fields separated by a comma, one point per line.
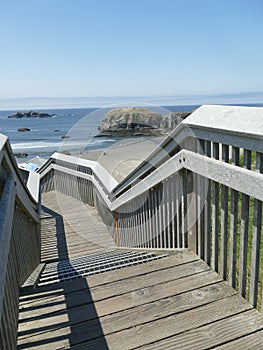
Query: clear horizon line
x=25, y=103
x=200, y=95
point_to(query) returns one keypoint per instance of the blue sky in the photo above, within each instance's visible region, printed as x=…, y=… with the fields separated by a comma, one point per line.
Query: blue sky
x=129, y=48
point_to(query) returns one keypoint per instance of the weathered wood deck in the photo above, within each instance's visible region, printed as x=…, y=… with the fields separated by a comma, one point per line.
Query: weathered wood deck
x=176, y=302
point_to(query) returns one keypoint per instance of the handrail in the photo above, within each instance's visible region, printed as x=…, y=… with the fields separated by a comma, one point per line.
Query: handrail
x=6, y=151
x=19, y=223
x=190, y=193
x=170, y=145
x=28, y=200
x=238, y=178
x=33, y=185
x=198, y=126
x=97, y=169
x=72, y=172
x=6, y=217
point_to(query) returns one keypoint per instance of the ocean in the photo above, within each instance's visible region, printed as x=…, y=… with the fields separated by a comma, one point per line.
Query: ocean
x=80, y=126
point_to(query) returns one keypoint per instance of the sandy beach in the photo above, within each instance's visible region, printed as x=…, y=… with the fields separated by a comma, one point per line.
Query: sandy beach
x=124, y=156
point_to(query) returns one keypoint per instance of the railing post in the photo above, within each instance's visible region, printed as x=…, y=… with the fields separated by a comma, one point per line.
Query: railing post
x=191, y=200
x=6, y=217
x=116, y=224
x=256, y=238
x=191, y=211
x=215, y=214
x=224, y=219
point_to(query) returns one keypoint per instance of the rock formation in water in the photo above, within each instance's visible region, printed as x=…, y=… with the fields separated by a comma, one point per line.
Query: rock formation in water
x=20, y=155
x=30, y=114
x=23, y=129
x=138, y=122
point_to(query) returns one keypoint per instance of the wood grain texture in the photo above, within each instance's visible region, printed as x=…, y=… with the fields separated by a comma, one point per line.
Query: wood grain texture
x=175, y=302
x=214, y=333
x=252, y=341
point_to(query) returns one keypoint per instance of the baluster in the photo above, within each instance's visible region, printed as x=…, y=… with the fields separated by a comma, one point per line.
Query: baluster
x=137, y=221
x=156, y=217
x=153, y=217
x=149, y=219
x=215, y=214
x=257, y=223
x=200, y=225
x=244, y=233
x=170, y=214
x=133, y=224
x=233, y=226
x=183, y=193
x=143, y=222
x=178, y=197
x=167, y=214
x=207, y=210
x=160, y=213
x=172, y=217
x=143, y=238
x=224, y=219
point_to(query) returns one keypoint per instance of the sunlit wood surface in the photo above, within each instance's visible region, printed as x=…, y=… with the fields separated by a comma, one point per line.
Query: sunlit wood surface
x=176, y=302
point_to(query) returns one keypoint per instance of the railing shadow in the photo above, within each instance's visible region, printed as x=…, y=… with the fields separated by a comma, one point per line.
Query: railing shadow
x=72, y=307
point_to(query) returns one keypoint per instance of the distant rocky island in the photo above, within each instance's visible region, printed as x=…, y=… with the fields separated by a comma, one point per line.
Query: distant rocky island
x=138, y=122
x=30, y=114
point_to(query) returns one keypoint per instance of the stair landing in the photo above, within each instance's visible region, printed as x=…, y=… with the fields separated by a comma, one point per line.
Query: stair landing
x=170, y=301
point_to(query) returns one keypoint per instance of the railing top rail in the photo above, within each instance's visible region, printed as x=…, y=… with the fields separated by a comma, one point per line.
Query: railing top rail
x=99, y=171
x=33, y=184
x=3, y=140
x=170, y=144
x=246, y=121
x=233, y=125
x=240, y=179
x=27, y=196
x=214, y=123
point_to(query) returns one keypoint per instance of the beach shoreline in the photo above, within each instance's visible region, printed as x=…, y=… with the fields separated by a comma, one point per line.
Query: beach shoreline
x=123, y=156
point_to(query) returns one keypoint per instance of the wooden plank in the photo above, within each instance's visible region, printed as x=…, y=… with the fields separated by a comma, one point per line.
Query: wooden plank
x=125, y=293
x=78, y=238
x=81, y=320
x=214, y=334
x=40, y=304
x=251, y=341
x=151, y=332
x=112, y=305
x=115, y=275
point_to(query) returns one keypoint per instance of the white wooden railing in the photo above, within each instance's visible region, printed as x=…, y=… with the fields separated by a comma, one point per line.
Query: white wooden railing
x=19, y=239
x=201, y=190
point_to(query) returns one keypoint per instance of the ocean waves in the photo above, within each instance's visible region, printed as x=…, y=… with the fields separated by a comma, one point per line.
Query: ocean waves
x=49, y=147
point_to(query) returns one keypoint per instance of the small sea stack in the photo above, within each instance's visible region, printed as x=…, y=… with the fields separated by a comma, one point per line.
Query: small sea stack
x=23, y=129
